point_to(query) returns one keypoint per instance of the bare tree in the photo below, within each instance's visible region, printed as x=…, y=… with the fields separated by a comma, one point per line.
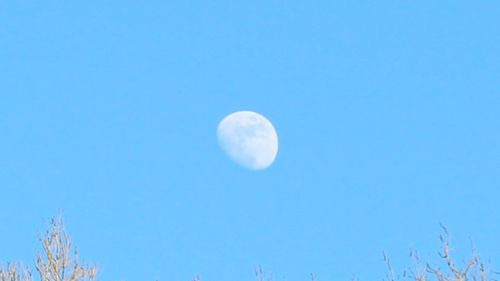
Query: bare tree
x=473, y=270
x=59, y=261
x=15, y=272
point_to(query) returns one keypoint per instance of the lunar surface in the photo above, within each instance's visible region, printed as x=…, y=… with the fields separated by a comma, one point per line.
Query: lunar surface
x=249, y=139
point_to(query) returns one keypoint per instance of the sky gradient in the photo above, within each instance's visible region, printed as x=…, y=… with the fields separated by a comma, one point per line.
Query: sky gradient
x=387, y=114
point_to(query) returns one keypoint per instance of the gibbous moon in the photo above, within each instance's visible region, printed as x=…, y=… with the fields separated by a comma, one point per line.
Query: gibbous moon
x=249, y=139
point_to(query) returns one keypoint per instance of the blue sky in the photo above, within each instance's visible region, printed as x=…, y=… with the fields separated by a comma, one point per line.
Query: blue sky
x=387, y=114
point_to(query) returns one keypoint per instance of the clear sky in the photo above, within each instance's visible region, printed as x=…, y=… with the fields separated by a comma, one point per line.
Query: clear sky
x=388, y=116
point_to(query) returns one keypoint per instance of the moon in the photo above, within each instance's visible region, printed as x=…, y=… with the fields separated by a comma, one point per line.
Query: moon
x=249, y=139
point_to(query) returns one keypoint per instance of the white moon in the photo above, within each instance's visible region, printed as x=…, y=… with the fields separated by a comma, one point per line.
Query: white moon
x=249, y=139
